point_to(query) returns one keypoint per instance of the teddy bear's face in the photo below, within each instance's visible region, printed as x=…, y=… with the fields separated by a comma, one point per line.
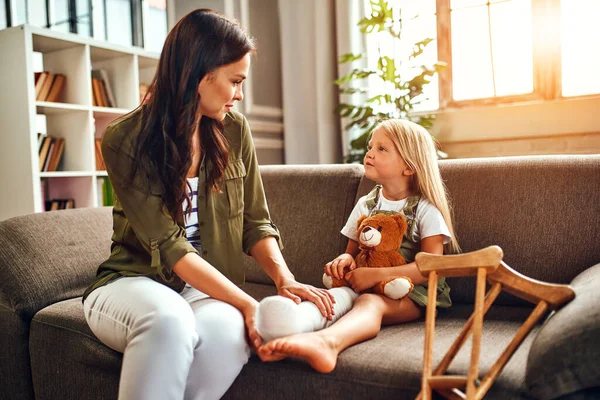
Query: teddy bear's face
x=383, y=232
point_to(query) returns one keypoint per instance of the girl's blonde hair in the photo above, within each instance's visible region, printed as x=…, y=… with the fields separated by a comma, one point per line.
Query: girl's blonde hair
x=418, y=150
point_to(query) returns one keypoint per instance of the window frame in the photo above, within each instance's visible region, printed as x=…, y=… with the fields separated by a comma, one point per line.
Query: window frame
x=546, y=52
x=137, y=18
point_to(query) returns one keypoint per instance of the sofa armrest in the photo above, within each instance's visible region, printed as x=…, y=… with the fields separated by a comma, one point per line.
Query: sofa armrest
x=564, y=355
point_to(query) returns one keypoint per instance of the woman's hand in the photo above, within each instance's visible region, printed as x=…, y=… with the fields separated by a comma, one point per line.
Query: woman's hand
x=297, y=291
x=336, y=267
x=362, y=279
x=249, y=313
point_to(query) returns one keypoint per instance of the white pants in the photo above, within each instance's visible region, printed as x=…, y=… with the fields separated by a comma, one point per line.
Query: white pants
x=175, y=346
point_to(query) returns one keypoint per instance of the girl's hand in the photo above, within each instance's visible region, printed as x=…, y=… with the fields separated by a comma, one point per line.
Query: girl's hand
x=364, y=278
x=249, y=313
x=336, y=267
x=297, y=291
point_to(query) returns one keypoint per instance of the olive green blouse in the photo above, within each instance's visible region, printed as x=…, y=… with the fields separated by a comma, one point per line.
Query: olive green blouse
x=148, y=241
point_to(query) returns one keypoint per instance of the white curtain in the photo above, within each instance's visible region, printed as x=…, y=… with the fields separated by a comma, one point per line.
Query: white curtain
x=313, y=35
x=350, y=40
x=309, y=54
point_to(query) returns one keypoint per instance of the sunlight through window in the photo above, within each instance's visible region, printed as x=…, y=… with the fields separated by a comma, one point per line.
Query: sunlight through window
x=580, y=31
x=491, y=48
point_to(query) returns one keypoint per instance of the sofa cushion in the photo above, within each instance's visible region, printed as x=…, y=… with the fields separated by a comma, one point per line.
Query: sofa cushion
x=49, y=257
x=309, y=205
x=65, y=354
x=15, y=370
x=564, y=356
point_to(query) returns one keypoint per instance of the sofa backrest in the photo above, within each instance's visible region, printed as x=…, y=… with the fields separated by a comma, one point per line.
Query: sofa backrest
x=50, y=257
x=309, y=204
x=543, y=211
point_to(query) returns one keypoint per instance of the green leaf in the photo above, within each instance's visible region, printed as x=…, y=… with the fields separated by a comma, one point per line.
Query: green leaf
x=387, y=66
x=419, y=48
x=357, y=73
x=381, y=16
x=349, y=57
x=353, y=90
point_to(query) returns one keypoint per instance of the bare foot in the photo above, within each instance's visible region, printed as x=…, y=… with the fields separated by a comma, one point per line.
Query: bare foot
x=318, y=350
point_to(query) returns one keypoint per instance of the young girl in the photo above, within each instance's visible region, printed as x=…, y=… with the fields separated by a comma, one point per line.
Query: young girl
x=402, y=159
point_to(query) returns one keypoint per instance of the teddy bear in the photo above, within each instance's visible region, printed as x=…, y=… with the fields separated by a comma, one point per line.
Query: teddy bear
x=379, y=238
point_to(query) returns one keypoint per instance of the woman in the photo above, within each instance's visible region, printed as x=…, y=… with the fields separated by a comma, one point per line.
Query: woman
x=189, y=201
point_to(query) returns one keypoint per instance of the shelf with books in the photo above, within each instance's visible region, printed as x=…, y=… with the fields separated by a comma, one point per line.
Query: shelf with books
x=78, y=188
x=75, y=129
x=71, y=63
x=113, y=80
x=73, y=122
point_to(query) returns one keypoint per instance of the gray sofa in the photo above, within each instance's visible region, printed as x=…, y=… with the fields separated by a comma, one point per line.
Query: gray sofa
x=543, y=211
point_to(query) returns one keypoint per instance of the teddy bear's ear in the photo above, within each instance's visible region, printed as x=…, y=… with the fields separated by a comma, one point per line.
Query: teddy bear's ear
x=401, y=221
x=360, y=220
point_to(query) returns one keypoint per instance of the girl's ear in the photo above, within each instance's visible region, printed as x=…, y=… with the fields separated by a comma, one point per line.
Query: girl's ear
x=408, y=172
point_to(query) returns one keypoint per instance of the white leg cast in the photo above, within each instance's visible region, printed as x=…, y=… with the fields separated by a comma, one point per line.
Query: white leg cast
x=397, y=289
x=279, y=316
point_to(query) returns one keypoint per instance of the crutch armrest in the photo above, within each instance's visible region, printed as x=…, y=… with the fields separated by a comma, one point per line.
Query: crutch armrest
x=455, y=265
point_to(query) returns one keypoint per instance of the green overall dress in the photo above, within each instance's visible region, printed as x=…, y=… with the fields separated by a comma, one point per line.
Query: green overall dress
x=411, y=246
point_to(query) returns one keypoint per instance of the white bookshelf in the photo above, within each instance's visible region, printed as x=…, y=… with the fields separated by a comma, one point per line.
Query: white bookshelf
x=74, y=119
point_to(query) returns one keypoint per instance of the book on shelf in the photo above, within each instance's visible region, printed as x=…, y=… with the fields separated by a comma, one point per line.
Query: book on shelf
x=102, y=94
x=48, y=86
x=100, y=166
x=59, y=204
x=143, y=90
x=50, y=153
x=106, y=194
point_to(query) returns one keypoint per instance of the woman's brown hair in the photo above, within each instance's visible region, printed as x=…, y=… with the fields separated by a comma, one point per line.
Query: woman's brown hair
x=198, y=44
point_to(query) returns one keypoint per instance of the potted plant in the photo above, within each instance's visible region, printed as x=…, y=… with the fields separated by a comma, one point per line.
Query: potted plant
x=398, y=95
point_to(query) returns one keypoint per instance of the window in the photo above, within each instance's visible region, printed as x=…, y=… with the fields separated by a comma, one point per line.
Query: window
x=501, y=50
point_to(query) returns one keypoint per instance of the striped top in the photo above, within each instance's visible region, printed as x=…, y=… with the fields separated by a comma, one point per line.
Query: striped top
x=191, y=220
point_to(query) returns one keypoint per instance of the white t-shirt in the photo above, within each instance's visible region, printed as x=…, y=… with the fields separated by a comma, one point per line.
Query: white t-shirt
x=429, y=219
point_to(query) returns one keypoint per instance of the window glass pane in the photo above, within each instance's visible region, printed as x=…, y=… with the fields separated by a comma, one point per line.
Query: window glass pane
x=3, y=22
x=83, y=17
x=155, y=24
x=471, y=63
x=19, y=13
x=512, y=47
x=118, y=18
x=37, y=12
x=60, y=21
x=492, y=50
x=98, y=11
x=580, y=32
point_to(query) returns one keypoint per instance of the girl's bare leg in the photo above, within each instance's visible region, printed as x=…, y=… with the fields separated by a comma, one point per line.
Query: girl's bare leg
x=321, y=349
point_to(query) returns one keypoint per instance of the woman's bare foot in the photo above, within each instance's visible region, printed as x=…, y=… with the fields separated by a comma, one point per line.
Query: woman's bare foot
x=318, y=350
